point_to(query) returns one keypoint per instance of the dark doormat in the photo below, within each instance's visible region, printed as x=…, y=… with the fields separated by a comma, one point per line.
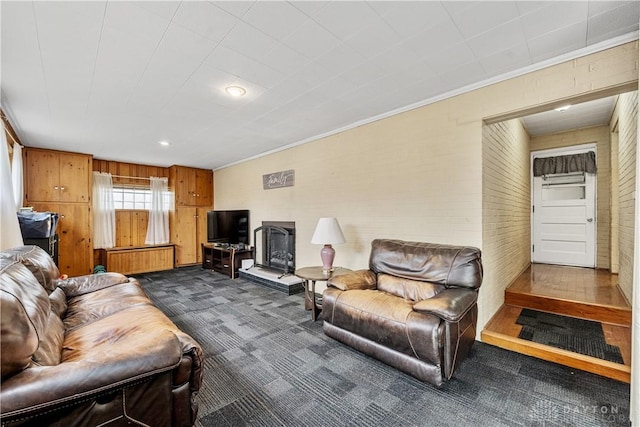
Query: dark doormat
x=576, y=335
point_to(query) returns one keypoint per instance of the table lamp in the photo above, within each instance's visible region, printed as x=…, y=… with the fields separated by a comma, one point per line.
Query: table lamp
x=327, y=233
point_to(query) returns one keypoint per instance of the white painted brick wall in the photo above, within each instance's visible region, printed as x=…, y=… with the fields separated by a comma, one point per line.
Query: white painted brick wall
x=627, y=143
x=506, y=204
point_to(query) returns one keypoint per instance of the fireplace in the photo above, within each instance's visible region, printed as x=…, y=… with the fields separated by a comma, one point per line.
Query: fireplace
x=275, y=246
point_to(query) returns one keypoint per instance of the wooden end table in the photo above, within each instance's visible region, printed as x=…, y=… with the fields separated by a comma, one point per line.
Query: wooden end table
x=314, y=274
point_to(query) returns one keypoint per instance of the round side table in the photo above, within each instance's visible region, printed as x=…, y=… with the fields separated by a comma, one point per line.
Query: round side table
x=313, y=275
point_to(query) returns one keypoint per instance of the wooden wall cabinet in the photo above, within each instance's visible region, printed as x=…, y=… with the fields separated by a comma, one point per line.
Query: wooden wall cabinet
x=193, y=190
x=188, y=231
x=75, y=249
x=192, y=187
x=59, y=181
x=204, y=187
x=55, y=176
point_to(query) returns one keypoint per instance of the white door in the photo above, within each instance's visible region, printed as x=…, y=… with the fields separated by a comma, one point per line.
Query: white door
x=564, y=221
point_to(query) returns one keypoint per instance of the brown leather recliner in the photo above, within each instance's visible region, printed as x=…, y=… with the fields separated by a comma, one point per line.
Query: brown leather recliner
x=414, y=309
x=90, y=350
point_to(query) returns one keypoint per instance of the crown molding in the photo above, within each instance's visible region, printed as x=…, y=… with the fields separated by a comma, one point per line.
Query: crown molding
x=598, y=47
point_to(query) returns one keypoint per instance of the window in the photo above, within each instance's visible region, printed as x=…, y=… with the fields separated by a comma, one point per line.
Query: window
x=132, y=198
x=567, y=186
x=136, y=198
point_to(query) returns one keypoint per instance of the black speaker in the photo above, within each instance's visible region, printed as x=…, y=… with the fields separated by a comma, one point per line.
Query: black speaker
x=49, y=244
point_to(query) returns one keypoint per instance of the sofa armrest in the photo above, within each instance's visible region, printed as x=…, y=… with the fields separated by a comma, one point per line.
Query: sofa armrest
x=450, y=304
x=80, y=285
x=132, y=359
x=359, y=279
x=192, y=350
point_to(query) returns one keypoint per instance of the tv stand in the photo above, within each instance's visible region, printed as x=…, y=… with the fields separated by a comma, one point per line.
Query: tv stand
x=225, y=260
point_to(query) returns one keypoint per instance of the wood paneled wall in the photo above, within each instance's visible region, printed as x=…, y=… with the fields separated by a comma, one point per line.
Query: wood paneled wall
x=131, y=225
x=12, y=137
x=121, y=169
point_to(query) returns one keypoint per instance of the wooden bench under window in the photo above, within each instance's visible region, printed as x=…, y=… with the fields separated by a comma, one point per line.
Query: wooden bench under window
x=138, y=259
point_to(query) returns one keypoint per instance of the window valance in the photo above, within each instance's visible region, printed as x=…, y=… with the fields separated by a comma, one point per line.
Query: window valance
x=583, y=162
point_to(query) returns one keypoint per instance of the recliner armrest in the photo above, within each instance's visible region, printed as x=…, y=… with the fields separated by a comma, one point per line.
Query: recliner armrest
x=359, y=279
x=74, y=286
x=450, y=304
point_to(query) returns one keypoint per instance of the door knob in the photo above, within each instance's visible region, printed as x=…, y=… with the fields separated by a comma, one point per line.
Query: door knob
x=589, y=219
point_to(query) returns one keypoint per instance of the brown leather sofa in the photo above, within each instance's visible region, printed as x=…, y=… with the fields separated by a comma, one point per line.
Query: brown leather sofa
x=414, y=309
x=90, y=350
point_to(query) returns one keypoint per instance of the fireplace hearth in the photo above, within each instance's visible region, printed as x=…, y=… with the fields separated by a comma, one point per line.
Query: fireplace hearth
x=274, y=261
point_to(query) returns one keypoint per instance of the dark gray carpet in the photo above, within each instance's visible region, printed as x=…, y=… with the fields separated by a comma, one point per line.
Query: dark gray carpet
x=576, y=335
x=268, y=364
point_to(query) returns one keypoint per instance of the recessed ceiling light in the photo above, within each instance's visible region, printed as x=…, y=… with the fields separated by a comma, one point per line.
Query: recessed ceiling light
x=563, y=108
x=164, y=143
x=235, y=91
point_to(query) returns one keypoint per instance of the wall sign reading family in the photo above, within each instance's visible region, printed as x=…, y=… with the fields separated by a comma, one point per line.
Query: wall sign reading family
x=278, y=179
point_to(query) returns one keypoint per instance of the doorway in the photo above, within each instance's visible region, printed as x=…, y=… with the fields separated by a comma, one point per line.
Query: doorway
x=563, y=215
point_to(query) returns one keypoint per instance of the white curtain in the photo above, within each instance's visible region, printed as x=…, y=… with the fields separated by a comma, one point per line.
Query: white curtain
x=104, y=212
x=158, y=228
x=10, y=235
x=16, y=175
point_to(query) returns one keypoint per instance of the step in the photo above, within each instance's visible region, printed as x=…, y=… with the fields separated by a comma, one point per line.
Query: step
x=614, y=315
x=502, y=331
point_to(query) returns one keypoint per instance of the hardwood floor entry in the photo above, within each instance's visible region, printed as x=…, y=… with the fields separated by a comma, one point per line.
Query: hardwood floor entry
x=577, y=292
x=587, y=285
x=585, y=293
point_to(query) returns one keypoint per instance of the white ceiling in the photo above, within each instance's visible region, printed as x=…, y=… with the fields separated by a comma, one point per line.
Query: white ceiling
x=113, y=78
x=586, y=114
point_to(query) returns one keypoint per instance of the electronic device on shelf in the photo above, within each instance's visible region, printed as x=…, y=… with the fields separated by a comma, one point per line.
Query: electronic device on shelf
x=230, y=227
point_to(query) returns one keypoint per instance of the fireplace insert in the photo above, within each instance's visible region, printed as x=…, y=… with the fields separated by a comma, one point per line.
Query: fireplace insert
x=275, y=246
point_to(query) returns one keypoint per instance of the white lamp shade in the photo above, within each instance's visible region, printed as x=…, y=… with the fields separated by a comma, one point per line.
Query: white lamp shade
x=328, y=232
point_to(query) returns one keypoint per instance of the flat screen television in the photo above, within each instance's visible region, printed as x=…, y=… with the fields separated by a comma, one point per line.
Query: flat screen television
x=230, y=227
